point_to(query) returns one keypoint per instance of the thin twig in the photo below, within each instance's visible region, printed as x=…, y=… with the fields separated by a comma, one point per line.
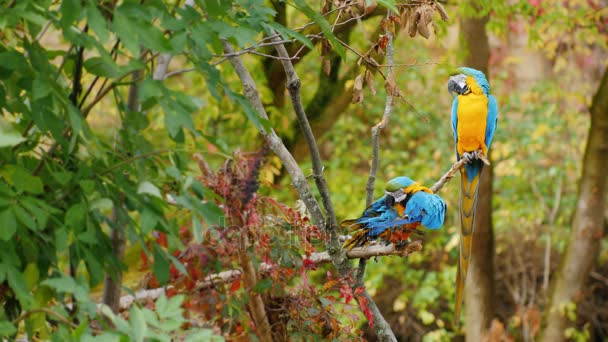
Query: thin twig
x=376, y=130
x=178, y=72
x=452, y=172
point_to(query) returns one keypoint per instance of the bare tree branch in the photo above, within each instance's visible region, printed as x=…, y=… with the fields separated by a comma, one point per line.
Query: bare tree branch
x=275, y=143
x=293, y=85
x=381, y=327
x=317, y=258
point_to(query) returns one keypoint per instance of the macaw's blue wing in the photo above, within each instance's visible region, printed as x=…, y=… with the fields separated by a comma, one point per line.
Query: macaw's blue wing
x=428, y=209
x=455, y=124
x=492, y=120
x=374, y=221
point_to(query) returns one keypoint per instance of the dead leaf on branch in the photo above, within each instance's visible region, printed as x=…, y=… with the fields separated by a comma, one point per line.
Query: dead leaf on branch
x=366, y=7
x=425, y=18
x=358, y=90
x=444, y=15
x=390, y=85
x=413, y=22
x=380, y=45
x=369, y=81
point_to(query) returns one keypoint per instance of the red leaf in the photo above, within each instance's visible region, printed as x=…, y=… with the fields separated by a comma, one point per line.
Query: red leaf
x=236, y=285
x=346, y=293
x=308, y=264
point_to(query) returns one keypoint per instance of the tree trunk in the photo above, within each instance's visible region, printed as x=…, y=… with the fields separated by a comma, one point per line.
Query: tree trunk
x=113, y=282
x=587, y=223
x=479, y=288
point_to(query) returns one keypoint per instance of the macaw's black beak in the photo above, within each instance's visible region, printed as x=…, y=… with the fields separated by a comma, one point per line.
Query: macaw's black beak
x=453, y=87
x=457, y=85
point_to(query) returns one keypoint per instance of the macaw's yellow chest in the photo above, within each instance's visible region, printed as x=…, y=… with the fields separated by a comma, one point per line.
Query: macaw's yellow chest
x=472, y=119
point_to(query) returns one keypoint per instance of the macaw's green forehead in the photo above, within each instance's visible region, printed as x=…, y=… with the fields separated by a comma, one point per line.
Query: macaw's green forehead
x=398, y=183
x=466, y=71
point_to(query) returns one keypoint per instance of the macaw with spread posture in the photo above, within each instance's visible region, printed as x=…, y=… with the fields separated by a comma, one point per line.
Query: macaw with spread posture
x=396, y=215
x=474, y=118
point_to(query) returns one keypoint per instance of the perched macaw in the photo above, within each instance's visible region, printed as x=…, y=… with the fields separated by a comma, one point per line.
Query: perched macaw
x=474, y=119
x=396, y=215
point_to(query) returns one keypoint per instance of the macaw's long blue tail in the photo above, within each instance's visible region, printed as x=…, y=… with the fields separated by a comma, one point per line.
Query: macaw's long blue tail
x=469, y=185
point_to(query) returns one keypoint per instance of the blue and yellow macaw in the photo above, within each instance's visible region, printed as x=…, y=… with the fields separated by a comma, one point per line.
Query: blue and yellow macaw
x=396, y=215
x=474, y=118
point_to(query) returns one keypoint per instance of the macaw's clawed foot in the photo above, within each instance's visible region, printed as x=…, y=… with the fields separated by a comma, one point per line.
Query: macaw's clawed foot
x=475, y=155
x=470, y=156
x=402, y=244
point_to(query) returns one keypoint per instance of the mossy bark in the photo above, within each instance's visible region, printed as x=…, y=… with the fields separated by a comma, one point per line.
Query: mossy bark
x=587, y=223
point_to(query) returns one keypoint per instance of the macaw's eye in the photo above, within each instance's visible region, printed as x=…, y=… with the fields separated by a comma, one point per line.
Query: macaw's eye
x=390, y=200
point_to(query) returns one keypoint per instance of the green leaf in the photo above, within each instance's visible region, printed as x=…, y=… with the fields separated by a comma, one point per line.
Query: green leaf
x=17, y=283
x=287, y=34
x=61, y=284
x=389, y=4
x=303, y=7
x=102, y=204
x=211, y=213
x=204, y=335
x=125, y=29
x=171, y=308
x=7, y=329
x=70, y=12
x=263, y=285
x=160, y=266
x=103, y=67
x=97, y=21
x=146, y=187
x=31, y=275
x=76, y=215
x=8, y=221
x=10, y=138
x=22, y=180
x=40, y=88
x=197, y=229
x=138, y=324
x=75, y=118
x=149, y=220
x=12, y=60
x=25, y=217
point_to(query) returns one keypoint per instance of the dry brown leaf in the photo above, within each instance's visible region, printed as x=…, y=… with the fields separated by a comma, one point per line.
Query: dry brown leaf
x=363, y=7
x=444, y=15
x=404, y=17
x=358, y=90
x=369, y=81
x=390, y=85
x=423, y=24
x=413, y=22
